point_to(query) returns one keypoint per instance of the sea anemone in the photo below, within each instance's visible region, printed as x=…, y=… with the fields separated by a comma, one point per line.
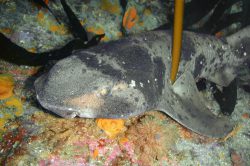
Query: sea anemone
x=152, y=138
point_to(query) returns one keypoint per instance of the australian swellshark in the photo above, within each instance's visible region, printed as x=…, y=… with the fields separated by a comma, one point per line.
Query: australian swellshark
x=129, y=76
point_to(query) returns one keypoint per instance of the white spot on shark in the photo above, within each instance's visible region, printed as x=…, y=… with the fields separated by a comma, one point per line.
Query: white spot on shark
x=224, y=47
x=132, y=84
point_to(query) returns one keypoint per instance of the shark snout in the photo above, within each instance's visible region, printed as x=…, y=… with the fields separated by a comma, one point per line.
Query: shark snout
x=82, y=91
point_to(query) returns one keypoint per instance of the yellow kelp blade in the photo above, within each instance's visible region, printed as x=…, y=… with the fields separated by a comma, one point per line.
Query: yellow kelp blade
x=177, y=38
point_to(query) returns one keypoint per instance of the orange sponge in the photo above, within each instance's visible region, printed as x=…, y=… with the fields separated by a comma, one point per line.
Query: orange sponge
x=111, y=127
x=6, y=86
x=130, y=18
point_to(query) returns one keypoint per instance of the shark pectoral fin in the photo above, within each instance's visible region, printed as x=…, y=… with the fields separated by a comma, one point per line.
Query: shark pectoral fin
x=185, y=88
x=189, y=109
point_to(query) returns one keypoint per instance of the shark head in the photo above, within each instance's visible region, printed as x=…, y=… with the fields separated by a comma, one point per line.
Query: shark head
x=112, y=80
x=84, y=86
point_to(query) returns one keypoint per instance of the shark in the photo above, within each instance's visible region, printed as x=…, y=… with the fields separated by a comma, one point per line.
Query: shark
x=130, y=76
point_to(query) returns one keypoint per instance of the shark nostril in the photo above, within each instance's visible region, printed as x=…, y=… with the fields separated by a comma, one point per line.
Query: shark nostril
x=71, y=114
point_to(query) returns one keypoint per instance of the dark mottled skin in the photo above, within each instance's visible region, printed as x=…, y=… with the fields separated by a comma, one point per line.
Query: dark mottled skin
x=91, y=61
x=188, y=47
x=144, y=72
x=200, y=62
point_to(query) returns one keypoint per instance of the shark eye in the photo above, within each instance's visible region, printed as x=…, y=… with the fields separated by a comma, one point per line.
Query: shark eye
x=103, y=91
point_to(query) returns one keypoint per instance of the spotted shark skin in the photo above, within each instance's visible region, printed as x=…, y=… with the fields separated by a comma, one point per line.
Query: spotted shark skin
x=129, y=76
